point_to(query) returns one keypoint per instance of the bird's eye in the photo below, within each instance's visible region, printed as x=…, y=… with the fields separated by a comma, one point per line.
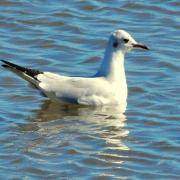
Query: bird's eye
x=126, y=40
x=115, y=44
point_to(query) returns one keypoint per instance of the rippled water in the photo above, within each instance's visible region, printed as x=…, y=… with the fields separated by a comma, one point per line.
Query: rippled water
x=40, y=139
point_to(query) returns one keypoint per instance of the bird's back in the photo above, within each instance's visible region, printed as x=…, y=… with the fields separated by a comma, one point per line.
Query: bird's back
x=89, y=91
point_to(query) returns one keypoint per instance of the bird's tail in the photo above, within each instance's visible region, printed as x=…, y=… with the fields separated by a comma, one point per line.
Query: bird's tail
x=26, y=73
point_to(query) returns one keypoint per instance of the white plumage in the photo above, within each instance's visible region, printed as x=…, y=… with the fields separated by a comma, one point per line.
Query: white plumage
x=107, y=87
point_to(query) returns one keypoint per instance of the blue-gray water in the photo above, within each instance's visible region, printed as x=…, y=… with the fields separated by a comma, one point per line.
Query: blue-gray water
x=44, y=140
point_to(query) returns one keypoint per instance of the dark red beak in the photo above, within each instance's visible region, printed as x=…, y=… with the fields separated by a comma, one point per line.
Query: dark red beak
x=139, y=45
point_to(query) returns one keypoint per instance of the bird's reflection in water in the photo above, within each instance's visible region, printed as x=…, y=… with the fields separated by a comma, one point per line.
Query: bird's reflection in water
x=81, y=128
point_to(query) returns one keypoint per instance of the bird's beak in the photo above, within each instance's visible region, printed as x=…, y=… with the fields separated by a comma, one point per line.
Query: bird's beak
x=139, y=45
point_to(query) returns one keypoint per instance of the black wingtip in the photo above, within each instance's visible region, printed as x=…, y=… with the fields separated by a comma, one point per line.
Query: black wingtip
x=8, y=63
x=30, y=72
x=4, y=65
x=4, y=61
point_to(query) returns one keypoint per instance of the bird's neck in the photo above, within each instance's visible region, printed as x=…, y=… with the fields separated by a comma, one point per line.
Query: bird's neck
x=112, y=68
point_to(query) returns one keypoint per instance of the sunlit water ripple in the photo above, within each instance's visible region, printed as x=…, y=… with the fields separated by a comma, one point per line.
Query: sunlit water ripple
x=40, y=139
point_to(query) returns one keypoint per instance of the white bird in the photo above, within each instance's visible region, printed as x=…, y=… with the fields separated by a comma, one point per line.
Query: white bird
x=107, y=87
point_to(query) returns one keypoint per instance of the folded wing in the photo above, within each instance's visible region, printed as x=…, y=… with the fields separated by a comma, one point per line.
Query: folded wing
x=89, y=91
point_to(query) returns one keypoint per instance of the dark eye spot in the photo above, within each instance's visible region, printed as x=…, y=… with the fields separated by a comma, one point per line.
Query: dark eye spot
x=126, y=40
x=115, y=44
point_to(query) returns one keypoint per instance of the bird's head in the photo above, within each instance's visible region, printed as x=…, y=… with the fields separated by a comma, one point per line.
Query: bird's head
x=121, y=40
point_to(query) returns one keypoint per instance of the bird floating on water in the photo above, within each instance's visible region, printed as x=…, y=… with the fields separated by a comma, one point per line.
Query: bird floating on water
x=107, y=87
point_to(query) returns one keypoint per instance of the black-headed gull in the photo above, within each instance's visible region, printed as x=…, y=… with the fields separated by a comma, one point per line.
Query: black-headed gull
x=107, y=87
